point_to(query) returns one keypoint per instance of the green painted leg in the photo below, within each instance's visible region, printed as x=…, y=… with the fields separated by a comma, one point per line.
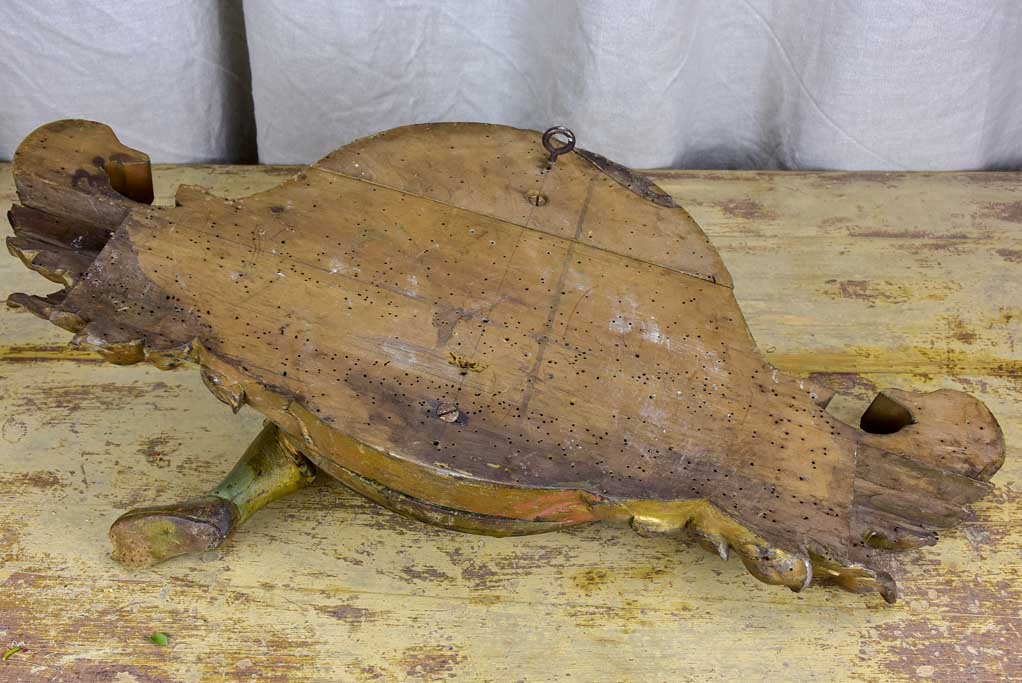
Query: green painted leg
x=270, y=468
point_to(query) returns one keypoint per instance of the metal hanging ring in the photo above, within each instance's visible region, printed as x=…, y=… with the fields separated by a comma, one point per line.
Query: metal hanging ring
x=554, y=149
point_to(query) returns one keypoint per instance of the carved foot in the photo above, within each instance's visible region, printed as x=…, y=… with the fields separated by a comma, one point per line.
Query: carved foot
x=270, y=468
x=721, y=534
x=145, y=536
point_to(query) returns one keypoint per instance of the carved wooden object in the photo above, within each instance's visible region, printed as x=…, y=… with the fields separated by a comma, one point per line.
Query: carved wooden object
x=474, y=332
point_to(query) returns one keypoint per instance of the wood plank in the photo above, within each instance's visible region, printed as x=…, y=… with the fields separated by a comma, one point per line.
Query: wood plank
x=323, y=586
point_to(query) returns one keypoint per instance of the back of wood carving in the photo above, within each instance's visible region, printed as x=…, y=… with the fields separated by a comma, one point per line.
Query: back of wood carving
x=481, y=334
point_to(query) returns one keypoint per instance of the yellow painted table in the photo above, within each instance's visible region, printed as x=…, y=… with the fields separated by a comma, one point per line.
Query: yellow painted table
x=863, y=280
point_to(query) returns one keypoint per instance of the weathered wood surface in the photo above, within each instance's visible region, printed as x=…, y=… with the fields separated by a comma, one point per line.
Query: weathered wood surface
x=582, y=341
x=865, y=279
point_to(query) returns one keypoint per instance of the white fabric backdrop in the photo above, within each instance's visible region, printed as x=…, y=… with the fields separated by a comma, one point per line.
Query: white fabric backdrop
x=170, y=76
x=854, y=84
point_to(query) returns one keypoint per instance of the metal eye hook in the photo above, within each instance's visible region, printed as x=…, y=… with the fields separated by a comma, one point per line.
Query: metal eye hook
x=558, y=150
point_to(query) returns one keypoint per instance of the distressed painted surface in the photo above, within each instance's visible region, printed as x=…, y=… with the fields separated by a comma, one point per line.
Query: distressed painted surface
x=868, y=280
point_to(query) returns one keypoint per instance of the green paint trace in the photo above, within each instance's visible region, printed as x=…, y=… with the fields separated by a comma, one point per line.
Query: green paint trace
x=159, y=638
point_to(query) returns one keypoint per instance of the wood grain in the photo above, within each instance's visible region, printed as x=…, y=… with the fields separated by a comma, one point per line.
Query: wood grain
x=866, y=280
x=582, y=341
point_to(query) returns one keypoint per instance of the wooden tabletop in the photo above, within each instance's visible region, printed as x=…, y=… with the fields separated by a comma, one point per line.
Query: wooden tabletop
x=864, y=280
